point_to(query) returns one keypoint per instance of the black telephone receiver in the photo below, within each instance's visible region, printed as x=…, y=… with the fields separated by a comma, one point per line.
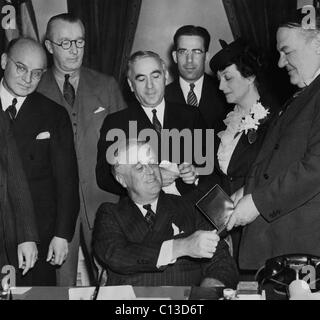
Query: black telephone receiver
x=284, y=269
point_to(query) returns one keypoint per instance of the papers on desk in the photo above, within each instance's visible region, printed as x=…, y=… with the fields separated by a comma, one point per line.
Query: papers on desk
x=20, y=290
x=105, y=293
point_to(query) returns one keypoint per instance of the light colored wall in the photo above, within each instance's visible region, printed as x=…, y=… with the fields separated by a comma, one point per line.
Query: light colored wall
x=159, y=19
x=44, y=9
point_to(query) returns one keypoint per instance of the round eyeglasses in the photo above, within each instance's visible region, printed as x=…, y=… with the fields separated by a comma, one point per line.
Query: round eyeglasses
x=22, y=69
x=66, y=44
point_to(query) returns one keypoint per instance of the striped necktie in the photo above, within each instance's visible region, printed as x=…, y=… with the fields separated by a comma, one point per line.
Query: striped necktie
x=12, y=110
x=155, y=121
x=150, y=216
x=192, y=98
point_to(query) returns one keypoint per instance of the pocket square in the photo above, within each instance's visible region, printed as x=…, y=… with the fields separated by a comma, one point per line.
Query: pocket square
x=43, y=135
x=100, y=109
x=176, y=230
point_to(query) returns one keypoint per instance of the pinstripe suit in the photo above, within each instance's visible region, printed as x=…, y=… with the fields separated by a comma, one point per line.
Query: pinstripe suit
x=17, y=222
x=123, y=242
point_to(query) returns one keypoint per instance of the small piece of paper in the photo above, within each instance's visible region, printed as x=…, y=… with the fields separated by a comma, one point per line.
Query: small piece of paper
x=105, y=293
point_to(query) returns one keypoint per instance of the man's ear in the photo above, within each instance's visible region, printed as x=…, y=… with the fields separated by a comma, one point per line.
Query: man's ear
x=207, y=56
x=48, y=45
x=174, y=56
x=130, y=84
x=4, y=61
x=121, y=180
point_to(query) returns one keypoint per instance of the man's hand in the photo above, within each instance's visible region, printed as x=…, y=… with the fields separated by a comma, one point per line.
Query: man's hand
x=188, y=173
x=58, y=251
x=201, y=244
x=27, y=256
x=237, y=196
x=244, y=213
x=168, y=177
x=210, y=282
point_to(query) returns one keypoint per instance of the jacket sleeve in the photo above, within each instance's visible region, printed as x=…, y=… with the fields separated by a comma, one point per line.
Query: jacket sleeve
x=105, y=179
x=113, y=249
x=19, y=195
x=65, y=171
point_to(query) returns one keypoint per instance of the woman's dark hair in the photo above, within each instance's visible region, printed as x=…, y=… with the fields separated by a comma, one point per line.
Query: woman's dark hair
x=245, y=58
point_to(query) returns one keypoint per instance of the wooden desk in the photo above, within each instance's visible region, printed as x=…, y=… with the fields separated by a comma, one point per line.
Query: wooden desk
x=61, y=293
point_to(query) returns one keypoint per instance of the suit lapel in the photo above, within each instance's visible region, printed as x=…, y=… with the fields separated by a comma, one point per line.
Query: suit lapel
x=131, y=219
x=51, y=89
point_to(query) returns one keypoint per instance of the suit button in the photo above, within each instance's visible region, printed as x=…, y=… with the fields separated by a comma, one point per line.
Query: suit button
x=231, y=178
x=75, y=124
x=266, y=176
x=276, y=147
x=74, y=114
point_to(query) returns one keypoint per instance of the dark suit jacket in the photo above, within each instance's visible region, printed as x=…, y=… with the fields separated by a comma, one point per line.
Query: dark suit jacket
x=175, y=116
x=212, y=105
x=17, y=221
x=124, y=243
x=50, y=165
x=285, y=185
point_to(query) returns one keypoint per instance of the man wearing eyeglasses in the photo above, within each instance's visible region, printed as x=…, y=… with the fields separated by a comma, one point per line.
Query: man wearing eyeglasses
x=88, y=96
x=194, y=87
x=44, y=137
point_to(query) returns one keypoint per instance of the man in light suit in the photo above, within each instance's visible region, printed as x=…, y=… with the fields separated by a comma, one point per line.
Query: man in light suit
x=44, y=137
x=18, y=231
x=281, y=205
x=191, y=44
x=147, y=75
x=88, y=96
x=155, y=239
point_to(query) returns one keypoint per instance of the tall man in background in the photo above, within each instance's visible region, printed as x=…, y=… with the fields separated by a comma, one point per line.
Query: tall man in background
x=194, y=86
x=88, y=96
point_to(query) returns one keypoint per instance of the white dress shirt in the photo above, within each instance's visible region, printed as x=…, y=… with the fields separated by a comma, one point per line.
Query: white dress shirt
x=165, y=255
x=172, y=188
x=7, y=97
x=185, y=87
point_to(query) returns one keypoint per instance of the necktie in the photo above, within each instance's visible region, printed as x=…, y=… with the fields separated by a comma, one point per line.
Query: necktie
x=155, y=121
x=11, y=110
x=68, y=90
x=192, y=98
x=150, y=216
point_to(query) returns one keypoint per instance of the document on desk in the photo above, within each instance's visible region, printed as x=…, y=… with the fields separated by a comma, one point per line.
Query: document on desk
x=20, y=290
x=105, y=293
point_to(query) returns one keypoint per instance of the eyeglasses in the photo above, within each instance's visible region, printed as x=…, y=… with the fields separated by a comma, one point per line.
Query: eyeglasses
x=185, y=52
x=36, y=74
x=66, y=44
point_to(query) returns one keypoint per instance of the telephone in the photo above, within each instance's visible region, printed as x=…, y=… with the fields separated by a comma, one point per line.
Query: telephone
x=282, y=270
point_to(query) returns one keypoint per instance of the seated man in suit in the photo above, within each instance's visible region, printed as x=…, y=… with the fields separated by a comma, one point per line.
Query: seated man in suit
x=194, y=86
x=155, y=239
x=147, y=75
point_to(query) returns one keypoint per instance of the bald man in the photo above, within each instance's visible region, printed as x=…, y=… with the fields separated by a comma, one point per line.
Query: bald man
x=44, y=137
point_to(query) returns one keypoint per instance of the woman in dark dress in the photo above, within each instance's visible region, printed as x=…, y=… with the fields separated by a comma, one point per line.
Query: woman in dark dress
x=239, y=70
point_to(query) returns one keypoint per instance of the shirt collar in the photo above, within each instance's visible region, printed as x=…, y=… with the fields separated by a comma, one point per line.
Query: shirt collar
x=153, y=207
x=313, y=78
x=160, y=111
x=185, y=87
x=7, y=97
x=59, y=76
